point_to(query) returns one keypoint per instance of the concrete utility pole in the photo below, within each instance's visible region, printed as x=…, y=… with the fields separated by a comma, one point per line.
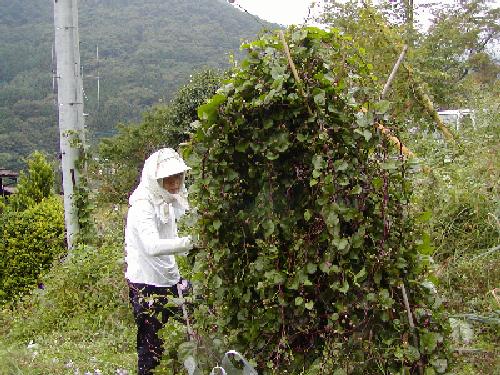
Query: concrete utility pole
x=70, y=104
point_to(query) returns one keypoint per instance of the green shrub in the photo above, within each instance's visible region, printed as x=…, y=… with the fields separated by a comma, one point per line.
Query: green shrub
x=35, y=185
x=87, y=289
x=30, y=241
x=82, y=315
x=305, y=238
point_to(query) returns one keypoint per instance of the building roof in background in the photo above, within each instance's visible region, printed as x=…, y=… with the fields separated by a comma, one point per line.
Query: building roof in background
x=8, y=173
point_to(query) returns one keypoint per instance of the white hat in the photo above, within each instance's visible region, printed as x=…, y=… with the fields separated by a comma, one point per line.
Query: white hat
x=169, y=163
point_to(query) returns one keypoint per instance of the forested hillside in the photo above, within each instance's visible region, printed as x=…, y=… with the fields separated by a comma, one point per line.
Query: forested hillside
x=146, y=50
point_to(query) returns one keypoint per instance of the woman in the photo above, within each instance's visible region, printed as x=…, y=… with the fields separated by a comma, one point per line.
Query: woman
x=151, y=241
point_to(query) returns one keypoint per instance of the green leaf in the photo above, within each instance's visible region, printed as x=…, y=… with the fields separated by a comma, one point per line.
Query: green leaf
x=299, y=301
x=271, y=155
x=339, y=371
x=268, y=123
x=268, y=226
x=318, y=162
x=425, y=245
x=356, y=190
x=259, y=264
x=309, y=305
x=340, y=243
x=311, y=268
x=216, y=282
x=241, y=147
x=388, y=165
x=440, y=364
x=424, y=217
x=307, y=215
x=360, y=275
x=324, y=267
x=345, y=287
x=332, y=219
x=319, y=98
x=367, y=134
x=209, y=110
x=377, y=183
x=307, y=282
x=382, y=106
x=429, y=341
x=341, y=165
x=301, y=137
x=275, y=277
x=216, y=225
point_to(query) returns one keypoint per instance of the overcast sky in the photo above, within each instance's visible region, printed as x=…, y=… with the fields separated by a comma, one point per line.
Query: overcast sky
x=287, y=12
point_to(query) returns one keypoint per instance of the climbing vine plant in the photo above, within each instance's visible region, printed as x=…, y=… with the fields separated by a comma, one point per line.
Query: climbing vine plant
x=305, y=239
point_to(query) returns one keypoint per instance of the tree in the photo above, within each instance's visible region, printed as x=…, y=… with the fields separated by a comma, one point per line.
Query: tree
x=35, y=185
x=456, y=40
x=441, y=58
x=121, y=157
x=32, y=229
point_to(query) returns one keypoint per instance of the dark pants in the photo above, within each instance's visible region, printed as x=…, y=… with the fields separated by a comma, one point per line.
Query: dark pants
x=150, y=314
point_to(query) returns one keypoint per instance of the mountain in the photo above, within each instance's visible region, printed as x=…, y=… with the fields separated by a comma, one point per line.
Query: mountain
x=147, y=49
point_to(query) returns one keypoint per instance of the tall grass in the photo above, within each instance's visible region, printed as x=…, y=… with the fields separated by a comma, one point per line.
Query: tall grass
x=460, y=191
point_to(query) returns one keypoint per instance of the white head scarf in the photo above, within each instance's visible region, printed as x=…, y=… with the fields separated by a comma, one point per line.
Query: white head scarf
x=163, y=163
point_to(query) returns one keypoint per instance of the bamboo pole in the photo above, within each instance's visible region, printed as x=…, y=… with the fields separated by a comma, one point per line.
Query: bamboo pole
x=429, y=107
x=394, y=71
x=294, y=71
x=394, y=140
x=412, y=325
x=290, y=61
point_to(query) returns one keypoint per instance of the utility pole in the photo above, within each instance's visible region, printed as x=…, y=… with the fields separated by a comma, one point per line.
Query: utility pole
x=70, y=106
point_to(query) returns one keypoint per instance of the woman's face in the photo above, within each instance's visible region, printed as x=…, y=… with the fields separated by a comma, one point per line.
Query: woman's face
x=172, y=184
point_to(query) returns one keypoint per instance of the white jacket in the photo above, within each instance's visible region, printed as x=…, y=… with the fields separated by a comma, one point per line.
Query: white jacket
x=151, y=232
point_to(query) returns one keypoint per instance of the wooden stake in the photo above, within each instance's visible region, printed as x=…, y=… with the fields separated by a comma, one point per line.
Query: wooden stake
x=394, y=71
x=290, y=61
x=294, y=71
x=429, y=107
x=394, y=140
x=412, y=325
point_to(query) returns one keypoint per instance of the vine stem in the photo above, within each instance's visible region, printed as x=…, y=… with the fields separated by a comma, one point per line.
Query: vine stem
x=394, y=140
x=385, y=202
